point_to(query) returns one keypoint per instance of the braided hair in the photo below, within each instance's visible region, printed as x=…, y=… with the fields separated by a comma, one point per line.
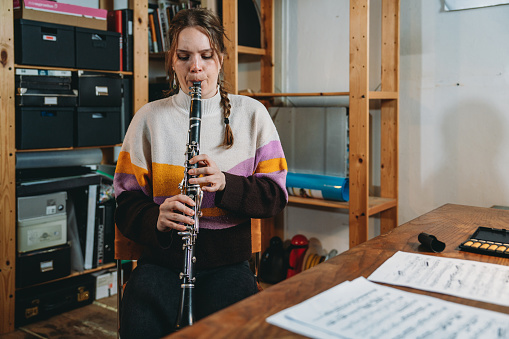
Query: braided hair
x=209, y=24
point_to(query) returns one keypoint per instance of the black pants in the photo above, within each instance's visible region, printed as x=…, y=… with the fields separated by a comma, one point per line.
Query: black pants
x=151, y=297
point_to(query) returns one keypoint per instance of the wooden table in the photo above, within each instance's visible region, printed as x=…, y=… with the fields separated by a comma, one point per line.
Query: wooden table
x=451, y=224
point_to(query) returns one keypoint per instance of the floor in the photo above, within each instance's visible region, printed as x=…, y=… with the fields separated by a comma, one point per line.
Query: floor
x=97, y=320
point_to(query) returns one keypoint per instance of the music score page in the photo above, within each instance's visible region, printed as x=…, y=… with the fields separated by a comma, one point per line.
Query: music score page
x=362, y=309
x=461, y=278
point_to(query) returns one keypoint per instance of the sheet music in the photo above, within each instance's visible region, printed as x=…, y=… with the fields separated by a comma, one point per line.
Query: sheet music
x=462, y=278
x=362, y=309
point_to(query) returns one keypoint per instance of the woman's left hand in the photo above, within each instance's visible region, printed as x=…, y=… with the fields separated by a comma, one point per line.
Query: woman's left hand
x=211, y=179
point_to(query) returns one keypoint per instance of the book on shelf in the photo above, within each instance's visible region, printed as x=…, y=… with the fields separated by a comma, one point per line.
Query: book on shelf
x=115, y=25
x=127, y=36
x=153, y=36
x=91, y=226
x=121, y=21
x=158, y=31
x=164, y=22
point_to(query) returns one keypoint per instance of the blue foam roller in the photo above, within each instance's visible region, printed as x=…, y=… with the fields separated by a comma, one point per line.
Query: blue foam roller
x=318, y=186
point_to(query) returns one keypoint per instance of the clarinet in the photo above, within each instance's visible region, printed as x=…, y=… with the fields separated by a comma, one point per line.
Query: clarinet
x=185, y=312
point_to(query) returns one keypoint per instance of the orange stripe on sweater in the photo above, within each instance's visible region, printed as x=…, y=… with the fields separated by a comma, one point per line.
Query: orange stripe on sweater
x=168, y=179
x=124, y=165
x=272, y=165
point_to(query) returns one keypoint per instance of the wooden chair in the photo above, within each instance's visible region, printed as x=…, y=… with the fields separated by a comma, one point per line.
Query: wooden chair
x=126, y=249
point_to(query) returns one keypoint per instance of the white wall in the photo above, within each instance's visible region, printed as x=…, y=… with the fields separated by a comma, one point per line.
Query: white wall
x=454, y=110
x=454, y=102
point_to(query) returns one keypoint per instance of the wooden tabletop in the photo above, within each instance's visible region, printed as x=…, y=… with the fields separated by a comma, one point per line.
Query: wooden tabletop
x=451, y=224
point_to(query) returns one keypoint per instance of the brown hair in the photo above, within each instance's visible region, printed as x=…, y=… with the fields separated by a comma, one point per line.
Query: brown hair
x=209, y=23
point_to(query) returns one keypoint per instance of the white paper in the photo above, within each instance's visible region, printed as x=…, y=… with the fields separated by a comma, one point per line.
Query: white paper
x=454, y=5
x=362, y=309
x=462, y=278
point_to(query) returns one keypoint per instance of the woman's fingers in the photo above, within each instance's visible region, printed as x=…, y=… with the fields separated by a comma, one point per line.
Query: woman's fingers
x=174, y=212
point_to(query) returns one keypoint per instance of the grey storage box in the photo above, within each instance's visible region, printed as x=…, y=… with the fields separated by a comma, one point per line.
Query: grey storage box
x=42, y=221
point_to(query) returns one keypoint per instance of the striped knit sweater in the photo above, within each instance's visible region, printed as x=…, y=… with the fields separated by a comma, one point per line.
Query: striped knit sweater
x=151, y=165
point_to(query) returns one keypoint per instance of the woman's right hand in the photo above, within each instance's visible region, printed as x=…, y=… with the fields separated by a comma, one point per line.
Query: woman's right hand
x=173, y=212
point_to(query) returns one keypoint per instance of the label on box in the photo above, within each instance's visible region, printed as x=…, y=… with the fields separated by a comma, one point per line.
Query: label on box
x=50, y=101
x=46, y=72
x=46, y=266
x=305, y=192
x=51, y=209
x=47, y=37
x=40, y=236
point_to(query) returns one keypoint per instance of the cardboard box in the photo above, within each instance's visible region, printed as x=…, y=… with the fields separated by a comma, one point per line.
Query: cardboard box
x=64, y=14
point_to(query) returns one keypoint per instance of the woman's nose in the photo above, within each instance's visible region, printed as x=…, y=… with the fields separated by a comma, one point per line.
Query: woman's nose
x=196, y=65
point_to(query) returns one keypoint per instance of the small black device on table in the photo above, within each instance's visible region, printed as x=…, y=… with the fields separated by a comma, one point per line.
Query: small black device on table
x=490, y=241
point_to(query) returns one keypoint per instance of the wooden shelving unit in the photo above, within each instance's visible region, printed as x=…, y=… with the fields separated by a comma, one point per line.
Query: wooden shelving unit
x=361, y=206
x=8, y=147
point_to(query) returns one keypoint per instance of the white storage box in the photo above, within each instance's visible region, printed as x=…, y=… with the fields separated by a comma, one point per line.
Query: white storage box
x=105, y=284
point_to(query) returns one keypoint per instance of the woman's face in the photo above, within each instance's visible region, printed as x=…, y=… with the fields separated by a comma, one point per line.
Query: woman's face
x=195, y=60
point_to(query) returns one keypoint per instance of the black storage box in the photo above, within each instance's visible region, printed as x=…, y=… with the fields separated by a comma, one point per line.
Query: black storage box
x=43, y=265
x=97, y=49
x=43, y=301
x=43, y=44
x=45, y=90
x=97, y=126
x=44, y=127
x=99, y=89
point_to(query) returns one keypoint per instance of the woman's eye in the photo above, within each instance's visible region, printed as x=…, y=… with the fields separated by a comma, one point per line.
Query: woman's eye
x=183, y=57
x=207, y=56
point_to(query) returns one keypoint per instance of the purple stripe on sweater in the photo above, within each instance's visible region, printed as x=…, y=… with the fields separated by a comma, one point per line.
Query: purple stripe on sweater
x=127, y=182
x=270, y=151
x=219, y=223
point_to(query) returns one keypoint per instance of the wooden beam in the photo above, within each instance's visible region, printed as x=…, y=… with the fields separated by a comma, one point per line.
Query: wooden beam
x=267, y=61
x=231, y=60
x=7, y=169
x=140, y=53
x=390, y=112
x=359, y=121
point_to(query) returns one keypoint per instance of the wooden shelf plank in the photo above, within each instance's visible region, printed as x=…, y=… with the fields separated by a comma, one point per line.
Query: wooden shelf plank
x=383, y=95
x=374, y=95
x=375, y=204
x=251, y=50
x=76, y=273
x=63, y=148
x=71, y=69
x=316, y=94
